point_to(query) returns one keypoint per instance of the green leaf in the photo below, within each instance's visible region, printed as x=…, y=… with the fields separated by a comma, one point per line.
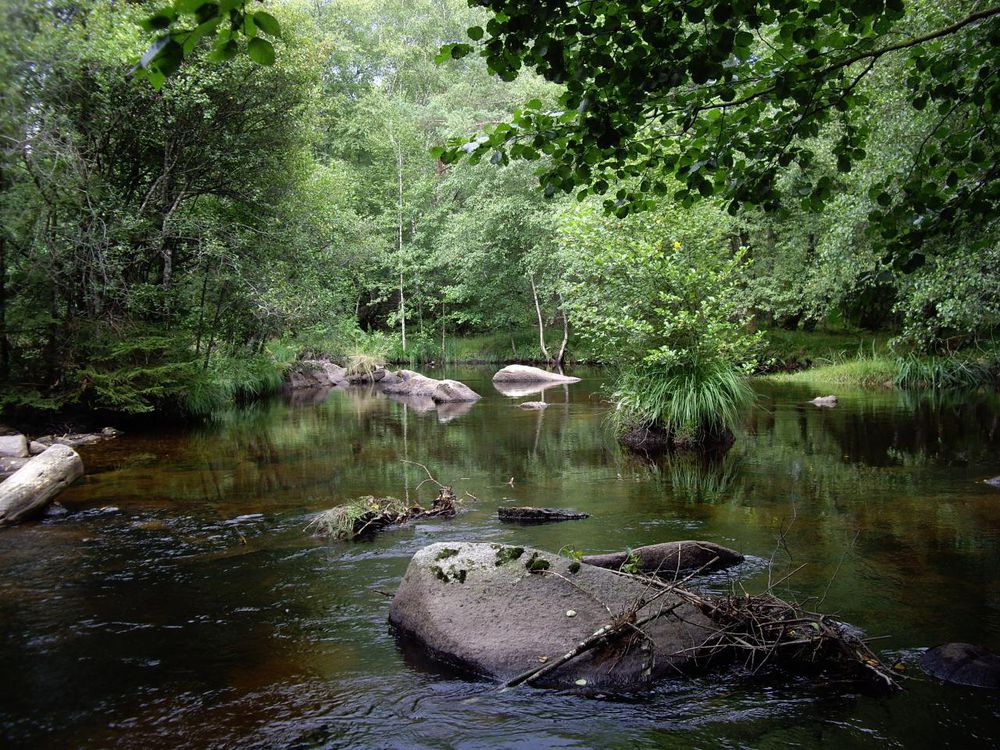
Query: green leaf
x=224, y=52
x=475, y=33
x=158, y=21
x=261, y=51
x=267, y=23
x=189, y=6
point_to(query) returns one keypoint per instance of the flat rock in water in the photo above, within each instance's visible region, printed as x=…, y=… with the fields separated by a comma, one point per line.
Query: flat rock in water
x=480, y=608
x=525, y=374
x=671, y=559
x=534, y=405
x=13, y=446
x=410, y=383
x=827, y=401
x=76, y=439
x=963, y=664
x=529, y=514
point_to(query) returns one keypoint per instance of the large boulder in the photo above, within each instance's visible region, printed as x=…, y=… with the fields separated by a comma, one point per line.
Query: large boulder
x=316, y=373
x=671, y=559
x=499, y=611
x=410, y=383
x=963, y=664
x=526, y=374
x=35, y=485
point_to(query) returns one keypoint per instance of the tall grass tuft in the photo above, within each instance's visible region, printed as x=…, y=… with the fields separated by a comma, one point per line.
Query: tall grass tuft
x=691, y=406
x=942, y=373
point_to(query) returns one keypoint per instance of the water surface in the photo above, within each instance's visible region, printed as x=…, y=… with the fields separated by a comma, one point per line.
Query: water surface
x=181, y=604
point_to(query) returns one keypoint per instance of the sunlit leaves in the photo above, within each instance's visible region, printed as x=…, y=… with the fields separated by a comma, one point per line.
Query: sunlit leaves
x=724, y=96
x=183, y=25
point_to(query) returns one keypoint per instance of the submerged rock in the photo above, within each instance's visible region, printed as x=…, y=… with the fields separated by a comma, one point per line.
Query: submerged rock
x=534, y=405
x=529, y=514
x=652, y=439
x=963, y=664
x=671, y=559
x=525, y=374
x=497, y=611
x=410, y=383
x=825, y=401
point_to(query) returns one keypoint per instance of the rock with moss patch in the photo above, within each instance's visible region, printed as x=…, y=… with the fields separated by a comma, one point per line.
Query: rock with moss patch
x=510, y=613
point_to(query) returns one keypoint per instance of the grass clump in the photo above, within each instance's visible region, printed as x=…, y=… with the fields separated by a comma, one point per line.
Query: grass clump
x=943, y=373
x=689, y=408
x=360, y=517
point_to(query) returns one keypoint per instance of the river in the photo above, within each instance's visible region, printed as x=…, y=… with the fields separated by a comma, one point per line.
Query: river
x=181, y=604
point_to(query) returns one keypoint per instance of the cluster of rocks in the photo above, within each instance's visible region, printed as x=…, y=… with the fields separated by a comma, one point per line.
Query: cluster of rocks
x=449, y=398
x=17, y=449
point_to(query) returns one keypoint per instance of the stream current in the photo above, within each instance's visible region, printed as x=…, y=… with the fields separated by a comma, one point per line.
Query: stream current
x=180, y=603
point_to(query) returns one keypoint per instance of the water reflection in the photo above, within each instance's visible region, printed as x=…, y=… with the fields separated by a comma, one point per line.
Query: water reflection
x=181, y=604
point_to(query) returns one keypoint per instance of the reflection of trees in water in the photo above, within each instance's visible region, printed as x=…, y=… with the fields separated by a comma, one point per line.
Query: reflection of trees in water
x=693, y=477
x=891, y=428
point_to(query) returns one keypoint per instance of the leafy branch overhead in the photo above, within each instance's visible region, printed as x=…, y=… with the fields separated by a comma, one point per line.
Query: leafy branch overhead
x=724, y=96
x=231, y=24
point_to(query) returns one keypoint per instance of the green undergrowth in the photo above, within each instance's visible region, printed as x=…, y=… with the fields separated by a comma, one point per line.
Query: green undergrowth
x=493, y=348
x=820, y=347
x=864, y=372
x=963, y=370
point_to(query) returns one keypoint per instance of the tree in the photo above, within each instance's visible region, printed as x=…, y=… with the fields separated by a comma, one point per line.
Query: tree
x=723, y=95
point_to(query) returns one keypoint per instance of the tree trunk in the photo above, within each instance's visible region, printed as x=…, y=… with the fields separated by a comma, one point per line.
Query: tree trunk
x=541, y=325
x=34, y=485
x=561, y=357
x=399, y=246
x=4, y=347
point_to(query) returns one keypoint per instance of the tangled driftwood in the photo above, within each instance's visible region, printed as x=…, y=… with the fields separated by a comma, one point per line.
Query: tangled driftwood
x=369, y=515
x=756, y=630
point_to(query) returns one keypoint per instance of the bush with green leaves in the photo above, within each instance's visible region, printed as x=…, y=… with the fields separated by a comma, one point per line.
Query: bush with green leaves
x=657, y=296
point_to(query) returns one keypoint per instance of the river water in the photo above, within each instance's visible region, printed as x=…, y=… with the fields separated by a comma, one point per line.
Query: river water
x=181, y=605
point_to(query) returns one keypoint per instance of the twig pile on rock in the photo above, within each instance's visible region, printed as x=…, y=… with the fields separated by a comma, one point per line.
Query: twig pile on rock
x=763, y=629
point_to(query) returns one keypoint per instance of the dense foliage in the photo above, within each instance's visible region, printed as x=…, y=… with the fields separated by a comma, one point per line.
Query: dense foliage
x=283, y=189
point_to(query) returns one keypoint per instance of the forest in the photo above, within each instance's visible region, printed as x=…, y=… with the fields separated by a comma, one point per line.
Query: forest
x=186, y=211
x=481, y=374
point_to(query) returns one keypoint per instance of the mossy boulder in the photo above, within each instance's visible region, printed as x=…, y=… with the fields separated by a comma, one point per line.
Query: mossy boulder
x=499, y=610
